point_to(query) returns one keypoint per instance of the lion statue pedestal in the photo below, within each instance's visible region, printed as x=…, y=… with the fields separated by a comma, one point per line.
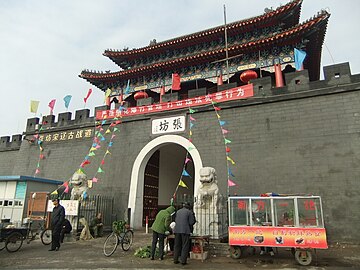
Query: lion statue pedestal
x=209, y=206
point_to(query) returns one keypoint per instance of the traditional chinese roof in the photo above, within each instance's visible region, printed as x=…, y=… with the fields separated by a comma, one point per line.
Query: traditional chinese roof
x=311, y=33
x=287, y=15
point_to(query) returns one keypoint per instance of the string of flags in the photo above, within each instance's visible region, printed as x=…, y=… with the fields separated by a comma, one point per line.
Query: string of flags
x=227, y=142
x=99, y=138
x=187, y=158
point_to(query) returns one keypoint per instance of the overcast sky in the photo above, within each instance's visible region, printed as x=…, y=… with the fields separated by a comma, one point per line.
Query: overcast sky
x=44, y=45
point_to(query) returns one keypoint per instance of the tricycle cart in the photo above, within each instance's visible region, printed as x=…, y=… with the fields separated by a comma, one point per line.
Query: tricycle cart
x=12, y=238
x=295, y=222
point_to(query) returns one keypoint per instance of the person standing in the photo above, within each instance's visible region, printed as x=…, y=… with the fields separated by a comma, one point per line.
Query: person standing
x=57, y=220
x=184, y=220
x=159, y=227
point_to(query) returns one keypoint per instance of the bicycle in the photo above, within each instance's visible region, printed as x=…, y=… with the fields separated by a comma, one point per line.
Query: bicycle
x=123, y=235
x=44, y=233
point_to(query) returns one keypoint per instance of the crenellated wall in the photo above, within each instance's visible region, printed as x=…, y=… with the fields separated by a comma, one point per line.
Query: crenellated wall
x=300, y=138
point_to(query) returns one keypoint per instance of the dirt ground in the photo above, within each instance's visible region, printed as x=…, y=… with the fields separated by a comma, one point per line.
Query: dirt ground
x=89, y=255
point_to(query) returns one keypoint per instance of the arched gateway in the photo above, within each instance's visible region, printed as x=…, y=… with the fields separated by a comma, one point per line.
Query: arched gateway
x=137, y=174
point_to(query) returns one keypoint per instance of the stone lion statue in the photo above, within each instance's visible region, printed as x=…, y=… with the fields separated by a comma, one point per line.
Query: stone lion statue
x=79, y=185
x=208, y=189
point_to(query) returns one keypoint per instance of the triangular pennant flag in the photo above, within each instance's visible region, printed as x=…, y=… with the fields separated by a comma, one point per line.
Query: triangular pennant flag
x=102, y=162
x=93, y=149
x=218, y=116
x=116, y=129
x=80, y=171
x=229, y=159
x=191, y=110
x=37, y=171
x=41, y=156
x=227, y=149
x=110, y=144
x=66, y=189
x=190, y=148
x=38, y=165
x=222, y=122
x=182, y=184
x=187, y=160
x=55, y=192
x=98, y=146
x=84, y=195
x=230, y=173
x=217, y=108
x=224, y=131
x=107, y=131
x=91, y=154
x=190, y=133
x=87, y=157
x=227, y=141
x=113, y=136
x=190, y=140
x=102, y=139
x=185, y=173
x=103, y=122
x=94, y=180
x=107, y=152
x=192, y=118
x=100, y=170
x=191, y=125
x=231, y=183
x=36, y=136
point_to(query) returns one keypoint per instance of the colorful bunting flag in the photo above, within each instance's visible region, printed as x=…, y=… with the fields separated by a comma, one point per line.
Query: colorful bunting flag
x=91, y=154
x=229, y=159
x=182, y=184
x=227, y=141
x=55, y=192
x=185, y=173
x=67, y=101
x=88, y=95
x=192, y=118
x=94, y=180
x=100, y=170
x=224, y=131
x=34, y=105
x=231, y=183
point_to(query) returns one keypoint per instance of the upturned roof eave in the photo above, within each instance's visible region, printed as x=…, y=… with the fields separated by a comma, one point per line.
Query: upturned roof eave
x=294, y=6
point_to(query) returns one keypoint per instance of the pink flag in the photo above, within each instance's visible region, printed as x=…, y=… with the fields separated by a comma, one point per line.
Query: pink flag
x=88, y=95
x=94, y=180
x=231, y=183
x=51, y=105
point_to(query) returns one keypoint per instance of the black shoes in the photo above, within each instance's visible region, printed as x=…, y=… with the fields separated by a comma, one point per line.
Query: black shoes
x=176, y=262
x=52, y=249
x=152, y=258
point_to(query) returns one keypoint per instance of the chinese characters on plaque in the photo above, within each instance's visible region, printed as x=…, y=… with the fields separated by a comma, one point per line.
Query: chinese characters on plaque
x=168, y=125
x=66, y=135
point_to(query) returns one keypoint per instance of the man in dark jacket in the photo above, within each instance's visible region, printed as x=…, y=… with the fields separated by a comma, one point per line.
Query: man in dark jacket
x=57, y=219
x=184, y=220
x=159, y=227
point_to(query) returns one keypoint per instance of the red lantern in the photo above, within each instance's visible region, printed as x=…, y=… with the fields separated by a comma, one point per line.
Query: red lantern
x=248, y=75
x=140, y=95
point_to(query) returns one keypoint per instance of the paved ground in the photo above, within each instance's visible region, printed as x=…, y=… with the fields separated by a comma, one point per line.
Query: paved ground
x=88, y=255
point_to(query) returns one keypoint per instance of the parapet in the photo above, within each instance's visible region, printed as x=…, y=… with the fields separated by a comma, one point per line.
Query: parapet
x=14, y=144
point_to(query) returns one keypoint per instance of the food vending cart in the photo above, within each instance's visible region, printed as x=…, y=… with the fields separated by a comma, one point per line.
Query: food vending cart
x=294, y=222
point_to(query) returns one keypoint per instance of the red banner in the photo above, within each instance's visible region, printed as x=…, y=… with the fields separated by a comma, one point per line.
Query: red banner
x=277, y=237
x=236, y=93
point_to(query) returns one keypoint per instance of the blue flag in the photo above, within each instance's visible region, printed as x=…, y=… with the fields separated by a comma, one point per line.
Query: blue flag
x=67, y=101
x=127, y=89
x=299, y=58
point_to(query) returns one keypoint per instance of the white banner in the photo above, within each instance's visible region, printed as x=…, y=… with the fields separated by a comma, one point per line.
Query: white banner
x=71, y=207
x=168, y=125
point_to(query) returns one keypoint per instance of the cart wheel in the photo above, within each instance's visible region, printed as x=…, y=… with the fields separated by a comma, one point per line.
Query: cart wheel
x=110, y=245
x=127, y=240
x=46, y=237
x=303, y=257
x=235, y=252
x=2, y=245
x=14, y=242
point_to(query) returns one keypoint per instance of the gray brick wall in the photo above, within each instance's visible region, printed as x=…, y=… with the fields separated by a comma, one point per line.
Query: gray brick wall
x=305, y=142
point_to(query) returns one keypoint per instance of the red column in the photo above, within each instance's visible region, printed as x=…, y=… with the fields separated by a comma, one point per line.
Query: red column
x=279, y=81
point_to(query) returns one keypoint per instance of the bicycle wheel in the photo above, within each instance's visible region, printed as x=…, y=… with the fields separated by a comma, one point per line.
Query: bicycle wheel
x=111, y=243
x=126, y=240
x=14, y=242
x=2, y=245
x=46, y=237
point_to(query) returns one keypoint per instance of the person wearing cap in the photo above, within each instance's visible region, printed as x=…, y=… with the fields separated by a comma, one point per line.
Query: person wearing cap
x=159, y=227
x=57, y=220
x=185, y=220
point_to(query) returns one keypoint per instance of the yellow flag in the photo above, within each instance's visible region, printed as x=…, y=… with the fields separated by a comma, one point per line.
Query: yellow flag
x=182, y=184
x=229, y=159
x=54, y=192
x=107, y=92
x=34, y=105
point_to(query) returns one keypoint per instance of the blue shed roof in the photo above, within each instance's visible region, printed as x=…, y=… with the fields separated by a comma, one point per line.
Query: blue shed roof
x=29, y=178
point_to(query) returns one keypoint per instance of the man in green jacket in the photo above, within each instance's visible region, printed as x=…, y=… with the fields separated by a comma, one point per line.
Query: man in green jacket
x=159, y=227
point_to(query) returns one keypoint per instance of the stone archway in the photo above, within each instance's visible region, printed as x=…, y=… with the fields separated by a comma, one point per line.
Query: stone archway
x=137, y=174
